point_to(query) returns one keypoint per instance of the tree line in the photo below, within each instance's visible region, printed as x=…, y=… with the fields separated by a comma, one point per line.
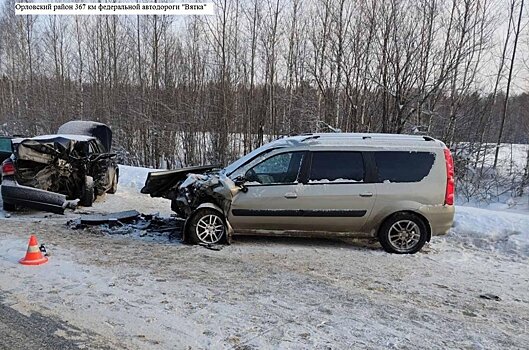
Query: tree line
x=191, y=90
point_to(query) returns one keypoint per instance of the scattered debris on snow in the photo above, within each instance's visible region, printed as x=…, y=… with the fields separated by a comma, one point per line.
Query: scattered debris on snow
x=97, y=219
x=130, y=223
x=489, y=296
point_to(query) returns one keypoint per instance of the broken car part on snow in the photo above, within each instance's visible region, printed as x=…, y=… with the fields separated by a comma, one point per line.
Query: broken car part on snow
x=129, y=222
x=54, y=172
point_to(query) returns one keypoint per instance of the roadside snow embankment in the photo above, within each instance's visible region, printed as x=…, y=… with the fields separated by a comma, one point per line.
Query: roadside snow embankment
x=128, y=196
x=493, y=230
x=133, y=177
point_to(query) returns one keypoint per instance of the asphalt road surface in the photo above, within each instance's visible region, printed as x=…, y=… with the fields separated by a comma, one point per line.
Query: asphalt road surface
x=36, y=331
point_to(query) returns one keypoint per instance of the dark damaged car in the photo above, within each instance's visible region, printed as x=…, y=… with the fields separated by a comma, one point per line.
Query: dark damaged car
x=55, y=172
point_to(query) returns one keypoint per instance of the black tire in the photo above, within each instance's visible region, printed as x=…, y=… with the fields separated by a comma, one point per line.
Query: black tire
x=408, y=233
x=114, y=185
x=88, y=195
x=201, y=217
x=9, y=206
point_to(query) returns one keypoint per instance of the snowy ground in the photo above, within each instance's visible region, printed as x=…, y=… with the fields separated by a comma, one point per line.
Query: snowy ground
x=274, y=293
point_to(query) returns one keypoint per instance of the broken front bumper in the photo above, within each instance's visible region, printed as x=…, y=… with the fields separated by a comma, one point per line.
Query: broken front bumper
x=13, y=193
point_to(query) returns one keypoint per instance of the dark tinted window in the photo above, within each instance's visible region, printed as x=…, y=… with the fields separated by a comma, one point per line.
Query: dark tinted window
x=403, y=166
x=5, y=145
x=336, y=167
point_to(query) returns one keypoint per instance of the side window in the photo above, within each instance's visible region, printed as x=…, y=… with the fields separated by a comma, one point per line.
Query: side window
x=403, y=166
x=279, y=169
x=5, y=145
x=336, y=167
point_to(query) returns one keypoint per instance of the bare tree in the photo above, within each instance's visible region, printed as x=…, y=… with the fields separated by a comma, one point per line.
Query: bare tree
x=509, y=78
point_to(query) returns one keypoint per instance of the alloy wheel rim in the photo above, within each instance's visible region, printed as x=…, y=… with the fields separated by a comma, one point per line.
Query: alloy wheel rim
x=210, y=229
x=404, y=235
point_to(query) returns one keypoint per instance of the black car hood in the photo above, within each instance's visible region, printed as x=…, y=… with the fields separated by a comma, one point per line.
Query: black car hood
x=159, y=183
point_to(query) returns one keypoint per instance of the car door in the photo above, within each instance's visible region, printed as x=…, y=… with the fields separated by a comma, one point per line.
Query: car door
x=336, y=195
x=270, y=202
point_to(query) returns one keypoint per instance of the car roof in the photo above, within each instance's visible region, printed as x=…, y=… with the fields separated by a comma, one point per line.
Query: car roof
x=320, y=141
x=357, y=139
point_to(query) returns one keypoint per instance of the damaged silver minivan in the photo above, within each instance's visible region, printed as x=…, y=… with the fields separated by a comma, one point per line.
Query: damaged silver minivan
x=398, y=188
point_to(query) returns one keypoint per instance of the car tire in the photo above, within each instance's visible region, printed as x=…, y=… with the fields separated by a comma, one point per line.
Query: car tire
x=88, y=195
x=114, y=186
x=9, y=206
x=403, y=233
x=207, y=226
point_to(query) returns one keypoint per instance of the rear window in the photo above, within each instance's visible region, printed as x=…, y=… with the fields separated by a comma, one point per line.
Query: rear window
x=336, y=167
x=403, y=166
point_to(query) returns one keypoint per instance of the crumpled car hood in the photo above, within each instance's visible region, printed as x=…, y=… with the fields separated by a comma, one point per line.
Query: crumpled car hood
x=190, y=187
x=160, y=183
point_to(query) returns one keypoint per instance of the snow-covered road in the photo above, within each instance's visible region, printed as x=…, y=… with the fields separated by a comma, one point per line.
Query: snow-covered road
x=275, y=292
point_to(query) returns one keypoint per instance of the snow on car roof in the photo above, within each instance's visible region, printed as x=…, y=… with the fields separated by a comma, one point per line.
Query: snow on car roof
x=55, y=136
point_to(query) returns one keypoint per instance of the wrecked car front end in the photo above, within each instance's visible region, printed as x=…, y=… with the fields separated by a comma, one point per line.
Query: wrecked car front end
x=198, y=189
x=191, y=189
x=56, y=164
x=205, y=188
x=49, y=172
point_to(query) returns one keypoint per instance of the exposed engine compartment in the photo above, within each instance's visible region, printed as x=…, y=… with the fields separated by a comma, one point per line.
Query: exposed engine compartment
x=188, y=188
x=57, y=165
x=204, y=188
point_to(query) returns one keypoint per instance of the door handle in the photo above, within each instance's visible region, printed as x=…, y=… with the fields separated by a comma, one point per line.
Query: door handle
x=366, y=194
x=291, y=195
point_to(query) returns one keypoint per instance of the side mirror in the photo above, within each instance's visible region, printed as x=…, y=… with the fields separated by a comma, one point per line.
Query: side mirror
x=239, y=180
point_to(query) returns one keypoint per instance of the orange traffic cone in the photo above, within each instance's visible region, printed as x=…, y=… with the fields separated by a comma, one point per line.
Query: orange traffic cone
x=33, y=256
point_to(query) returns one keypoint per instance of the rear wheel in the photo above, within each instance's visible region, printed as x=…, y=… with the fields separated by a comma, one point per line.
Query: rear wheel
x=88, y=195
x=207, y=226
x=403, y=233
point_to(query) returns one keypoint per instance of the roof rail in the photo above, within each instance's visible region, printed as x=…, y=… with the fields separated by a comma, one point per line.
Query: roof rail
x=310, y=137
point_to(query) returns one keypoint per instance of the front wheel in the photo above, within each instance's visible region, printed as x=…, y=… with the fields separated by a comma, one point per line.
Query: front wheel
x=403, y=233
x=207, y=226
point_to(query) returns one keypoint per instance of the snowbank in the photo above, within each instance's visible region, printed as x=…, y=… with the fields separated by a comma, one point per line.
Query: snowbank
x=133, y=177
x=498, y=231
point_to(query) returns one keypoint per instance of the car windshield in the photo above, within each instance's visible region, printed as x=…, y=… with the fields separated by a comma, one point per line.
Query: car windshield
x=245, y=159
